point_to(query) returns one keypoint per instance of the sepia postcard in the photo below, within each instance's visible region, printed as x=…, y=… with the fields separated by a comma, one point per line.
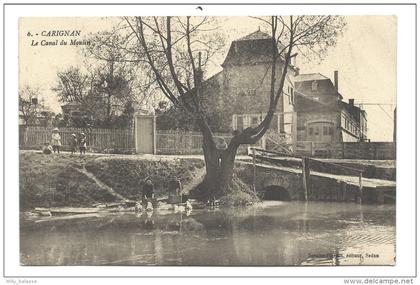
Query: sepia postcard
x=207, y=140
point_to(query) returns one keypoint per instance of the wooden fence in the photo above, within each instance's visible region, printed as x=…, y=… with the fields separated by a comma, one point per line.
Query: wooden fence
x=120, y=141
x=178, y=142
x=348, y=150
x=98, y=140
x=182, y=142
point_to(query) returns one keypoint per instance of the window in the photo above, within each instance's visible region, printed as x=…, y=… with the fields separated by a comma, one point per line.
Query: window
x=320, y=132
x=314, y=85
x=254, y=121
x=240, y=123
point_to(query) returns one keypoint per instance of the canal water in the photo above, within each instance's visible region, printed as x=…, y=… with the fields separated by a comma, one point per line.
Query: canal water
x=270, y=233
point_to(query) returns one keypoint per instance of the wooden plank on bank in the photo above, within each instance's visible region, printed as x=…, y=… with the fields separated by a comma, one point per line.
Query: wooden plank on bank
x=68, y=210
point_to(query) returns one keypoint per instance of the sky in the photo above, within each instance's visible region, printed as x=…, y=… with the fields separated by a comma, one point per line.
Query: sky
x=365, y=57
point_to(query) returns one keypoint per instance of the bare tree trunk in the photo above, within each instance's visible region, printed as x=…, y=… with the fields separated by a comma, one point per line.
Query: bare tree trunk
x=211, y=158
x=227, y=163
x=219, y=167
x=219, y=173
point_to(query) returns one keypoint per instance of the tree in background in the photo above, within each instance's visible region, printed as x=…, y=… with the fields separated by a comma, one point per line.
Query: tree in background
x=28, y=100
x=94, y=98
x=75, y=89
x=73, y=85
x=118, y=72
x=32, y=109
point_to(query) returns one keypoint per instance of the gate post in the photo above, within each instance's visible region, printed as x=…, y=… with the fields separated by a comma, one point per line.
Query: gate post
x=263, y=142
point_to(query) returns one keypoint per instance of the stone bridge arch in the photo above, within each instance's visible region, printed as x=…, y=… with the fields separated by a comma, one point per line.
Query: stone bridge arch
x=275, y=192
x=279, y=185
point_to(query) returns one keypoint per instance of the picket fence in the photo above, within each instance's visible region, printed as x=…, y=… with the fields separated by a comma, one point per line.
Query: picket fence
x=98, y=140
x=119, y=140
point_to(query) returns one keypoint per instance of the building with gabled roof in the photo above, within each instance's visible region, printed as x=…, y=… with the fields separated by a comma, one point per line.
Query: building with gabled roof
x=242, y=88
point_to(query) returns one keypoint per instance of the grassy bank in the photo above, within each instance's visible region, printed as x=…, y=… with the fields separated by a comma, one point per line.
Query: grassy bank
x=66, y=180
x=126, y=174
x=53, y=180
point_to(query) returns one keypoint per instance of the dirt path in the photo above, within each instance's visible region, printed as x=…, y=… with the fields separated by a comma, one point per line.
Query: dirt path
x=197, y=178
x=100, y=183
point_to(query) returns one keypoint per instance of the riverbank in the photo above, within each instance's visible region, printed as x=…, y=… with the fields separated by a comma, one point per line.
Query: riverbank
x=58, y=180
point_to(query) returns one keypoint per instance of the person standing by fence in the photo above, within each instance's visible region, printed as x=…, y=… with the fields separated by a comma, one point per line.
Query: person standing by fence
x=56, y=140
x=82, y=143
x=73, y=143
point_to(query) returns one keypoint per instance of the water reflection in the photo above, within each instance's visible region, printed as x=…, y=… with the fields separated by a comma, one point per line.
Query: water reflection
x=272, y=233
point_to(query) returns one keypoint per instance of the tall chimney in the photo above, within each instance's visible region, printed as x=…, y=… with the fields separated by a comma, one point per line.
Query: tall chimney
x=336, y=79
x=351, y=102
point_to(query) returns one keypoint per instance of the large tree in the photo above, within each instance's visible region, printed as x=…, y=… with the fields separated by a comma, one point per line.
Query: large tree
x=177, y=48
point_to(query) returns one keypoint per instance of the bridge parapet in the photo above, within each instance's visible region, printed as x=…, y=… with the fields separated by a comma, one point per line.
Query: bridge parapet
x=324, y=187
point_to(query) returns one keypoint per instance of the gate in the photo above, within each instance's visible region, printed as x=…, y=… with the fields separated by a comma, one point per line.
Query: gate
x=145, y=134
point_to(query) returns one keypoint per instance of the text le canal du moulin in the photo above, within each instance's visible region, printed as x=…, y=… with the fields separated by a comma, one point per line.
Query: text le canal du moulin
x=59, y=33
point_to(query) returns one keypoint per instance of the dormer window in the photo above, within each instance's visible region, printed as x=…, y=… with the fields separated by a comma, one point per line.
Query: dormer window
x=314, y=85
